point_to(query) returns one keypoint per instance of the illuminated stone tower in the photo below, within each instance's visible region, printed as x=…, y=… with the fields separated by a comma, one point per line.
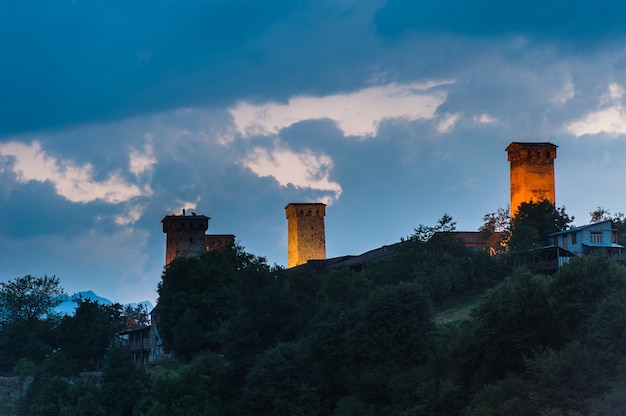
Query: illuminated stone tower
x=306, y=239
x=532, y=172
x=185, y=235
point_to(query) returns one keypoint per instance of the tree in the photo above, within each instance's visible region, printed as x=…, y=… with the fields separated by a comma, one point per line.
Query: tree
x=197, y=388
x=282, y=382
x=533, y=222
x=122, y=382
x=29, y=298
x=513, y=320
x=619, y=221
x=198, y=294
x=581, y=286
x=389, y=346
x=86, y=335
x=27, y=319
x=496, y=229
x=423, y=233
x=135, y=316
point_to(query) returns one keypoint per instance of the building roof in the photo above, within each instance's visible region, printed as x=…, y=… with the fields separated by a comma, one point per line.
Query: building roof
x=193, y=215
x=612, y=245
x=377, y=254
x=576, y=229
x=468, y=238
x=542, y=144
x=305, y=203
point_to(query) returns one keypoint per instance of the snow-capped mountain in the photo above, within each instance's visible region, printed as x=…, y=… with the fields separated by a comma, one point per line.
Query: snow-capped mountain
x=68, y=306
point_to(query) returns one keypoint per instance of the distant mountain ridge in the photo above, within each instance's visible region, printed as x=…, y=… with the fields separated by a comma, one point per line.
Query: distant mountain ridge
x=68, y=306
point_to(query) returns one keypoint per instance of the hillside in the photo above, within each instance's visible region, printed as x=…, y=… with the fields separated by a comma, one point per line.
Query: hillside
x=434, y=330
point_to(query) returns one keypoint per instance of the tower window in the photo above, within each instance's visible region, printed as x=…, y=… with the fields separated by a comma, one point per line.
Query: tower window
x=530, y=154
x=548, y=154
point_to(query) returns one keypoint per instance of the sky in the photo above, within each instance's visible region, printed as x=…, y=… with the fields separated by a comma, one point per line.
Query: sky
x=392, y=112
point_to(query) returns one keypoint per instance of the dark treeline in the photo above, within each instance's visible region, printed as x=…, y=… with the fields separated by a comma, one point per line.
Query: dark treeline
x=250, y=339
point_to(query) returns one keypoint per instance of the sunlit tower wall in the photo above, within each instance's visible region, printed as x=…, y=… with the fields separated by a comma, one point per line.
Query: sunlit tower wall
x=185, y=235
x=306, y=239
x=532, y=172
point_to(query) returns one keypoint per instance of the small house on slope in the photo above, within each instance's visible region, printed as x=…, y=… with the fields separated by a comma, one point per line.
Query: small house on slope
x=587, y=238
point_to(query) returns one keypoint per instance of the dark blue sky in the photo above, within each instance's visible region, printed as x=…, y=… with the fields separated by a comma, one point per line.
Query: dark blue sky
x=115, y=114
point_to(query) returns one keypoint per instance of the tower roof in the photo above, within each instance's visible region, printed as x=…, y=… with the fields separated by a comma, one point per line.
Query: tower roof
x=179, y=222
x=167, y=217
x=305, y=203
x=529, y=144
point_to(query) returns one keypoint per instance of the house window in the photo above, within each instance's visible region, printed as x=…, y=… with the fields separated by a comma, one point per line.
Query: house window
x=573, y=238
x=595, y=237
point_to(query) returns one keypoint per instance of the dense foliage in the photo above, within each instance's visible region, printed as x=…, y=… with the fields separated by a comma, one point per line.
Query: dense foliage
x=250, y=339
x=533, y=221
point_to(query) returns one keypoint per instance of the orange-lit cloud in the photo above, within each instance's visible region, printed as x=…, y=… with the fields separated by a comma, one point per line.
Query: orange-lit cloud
x=302, y=170
x=76, y=183
x=356, y=114
x=611, y=119
x=177, y=206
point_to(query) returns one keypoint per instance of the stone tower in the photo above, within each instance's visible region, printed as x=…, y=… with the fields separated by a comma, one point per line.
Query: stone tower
x=185, y=235
x=532, y=172
x=306, y=239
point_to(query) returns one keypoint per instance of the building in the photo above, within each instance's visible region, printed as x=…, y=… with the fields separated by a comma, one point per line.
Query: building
x=567, y=244
x=186, y=236
x=546, y=260
x=356, y=263
x=479, y=240
x=587, y=238
x=143, y=340
x=532, y=172
x=306, y=238
x=143, y=343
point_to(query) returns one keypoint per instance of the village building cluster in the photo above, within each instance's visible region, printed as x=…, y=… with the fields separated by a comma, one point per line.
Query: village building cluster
x=531, y=179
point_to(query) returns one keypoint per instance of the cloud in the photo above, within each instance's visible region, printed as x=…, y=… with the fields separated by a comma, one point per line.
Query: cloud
x=611, y=119
x=302, y=170
x=130, y=216
x=615, y=93
x=180, y=205
x=73, y=182
x=484, y=118
x=566, y=93
x=142, y=161
x=448, y=122
x=356, y=114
